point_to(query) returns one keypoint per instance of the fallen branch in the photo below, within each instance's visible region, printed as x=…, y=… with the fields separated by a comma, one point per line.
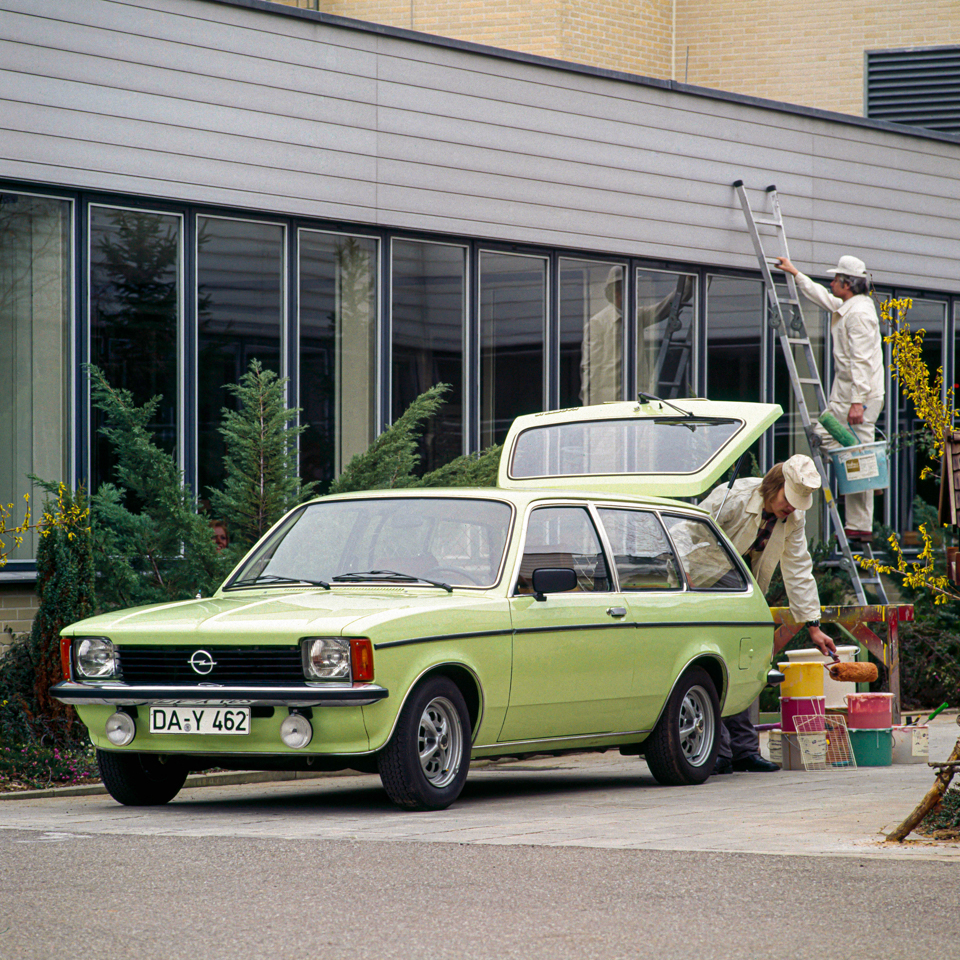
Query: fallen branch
x=933, y=797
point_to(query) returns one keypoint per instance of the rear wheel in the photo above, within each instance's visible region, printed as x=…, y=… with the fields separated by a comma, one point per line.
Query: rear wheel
x=682, y=749
x=141, y=779
x=424, y=766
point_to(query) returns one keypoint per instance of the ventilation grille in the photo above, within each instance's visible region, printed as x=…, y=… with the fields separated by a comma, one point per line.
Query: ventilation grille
x=916, y=87
x=255, y=665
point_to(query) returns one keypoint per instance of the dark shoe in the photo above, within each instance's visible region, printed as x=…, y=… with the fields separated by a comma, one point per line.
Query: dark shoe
x=865, y=536
x=754, y=764
x=723, y=765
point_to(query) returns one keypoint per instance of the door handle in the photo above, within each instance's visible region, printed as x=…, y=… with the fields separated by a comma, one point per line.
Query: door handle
x=617, y=611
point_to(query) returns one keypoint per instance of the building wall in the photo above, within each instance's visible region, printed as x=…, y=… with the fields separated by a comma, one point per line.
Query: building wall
x=814, y=58
x=18, y=606
x=256, y=106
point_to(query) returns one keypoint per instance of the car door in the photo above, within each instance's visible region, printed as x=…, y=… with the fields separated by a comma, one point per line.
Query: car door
x=572, y=664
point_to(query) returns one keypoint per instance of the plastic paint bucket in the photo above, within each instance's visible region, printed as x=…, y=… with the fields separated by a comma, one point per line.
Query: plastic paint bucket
x=793, y=707
x=872, y=748
x=863, y=467
x=833, y=690
x=802, y=680
x=911, y=744
x=786, y=750
x=870, y=711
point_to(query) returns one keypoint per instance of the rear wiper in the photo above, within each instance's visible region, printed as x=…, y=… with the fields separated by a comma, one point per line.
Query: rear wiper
x=358, y=577
x=274, y=578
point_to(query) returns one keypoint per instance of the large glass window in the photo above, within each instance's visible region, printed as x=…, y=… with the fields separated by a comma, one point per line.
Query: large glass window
x=563, y=537
x=35, y=316
x=338, y=337
x=641, y=551
x=428, y=302
x=240, y=309
x=735, y=318
x=513, y=307
x=135, y=310
x=666, y=320
x=591, y=332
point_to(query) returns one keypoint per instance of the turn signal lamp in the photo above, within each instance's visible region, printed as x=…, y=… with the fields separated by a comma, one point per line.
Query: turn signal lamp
x=361, y=659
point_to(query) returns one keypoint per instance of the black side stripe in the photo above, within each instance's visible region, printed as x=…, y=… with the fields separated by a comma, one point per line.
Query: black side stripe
x=578, y=627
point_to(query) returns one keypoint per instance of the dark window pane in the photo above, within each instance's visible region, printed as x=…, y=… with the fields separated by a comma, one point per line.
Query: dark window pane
x=513, y=303
x=735, y=318
x=428, y=286
x=666, y=314
x=338, y=335
x=591, y=332
x=134, y=318
x=35, y=256
x=239, y=314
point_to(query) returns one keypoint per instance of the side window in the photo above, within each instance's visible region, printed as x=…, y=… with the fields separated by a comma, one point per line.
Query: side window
x=641, y=551
x=707, y=562
x=563, y=537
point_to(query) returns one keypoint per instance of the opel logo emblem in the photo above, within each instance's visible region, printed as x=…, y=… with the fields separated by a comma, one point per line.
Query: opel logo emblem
x=202, y=662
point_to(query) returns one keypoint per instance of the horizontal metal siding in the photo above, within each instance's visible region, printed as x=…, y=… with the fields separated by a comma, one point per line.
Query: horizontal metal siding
x=212, y=103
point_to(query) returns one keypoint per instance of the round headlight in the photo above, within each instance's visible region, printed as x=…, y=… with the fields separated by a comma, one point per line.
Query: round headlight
x=120, y=729
x=96, y=658
x=296, y=731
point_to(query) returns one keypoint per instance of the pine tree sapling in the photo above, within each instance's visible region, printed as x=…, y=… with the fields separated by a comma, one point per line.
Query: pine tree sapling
x=165, y=550
x=261, y=473
x=391, y=459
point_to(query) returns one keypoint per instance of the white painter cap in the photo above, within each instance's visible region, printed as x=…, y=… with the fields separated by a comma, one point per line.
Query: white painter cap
x=850, y=267
x=800, y=481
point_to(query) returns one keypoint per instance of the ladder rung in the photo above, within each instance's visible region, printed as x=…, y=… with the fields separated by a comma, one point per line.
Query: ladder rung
x=798, y=340
x=763, y=222
x=810, y=380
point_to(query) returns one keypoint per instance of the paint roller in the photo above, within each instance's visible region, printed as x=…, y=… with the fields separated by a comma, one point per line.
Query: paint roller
x=853, y=672
x=843, y=435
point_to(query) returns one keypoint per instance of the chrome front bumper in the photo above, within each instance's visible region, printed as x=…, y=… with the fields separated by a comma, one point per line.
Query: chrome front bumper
x=126, y=695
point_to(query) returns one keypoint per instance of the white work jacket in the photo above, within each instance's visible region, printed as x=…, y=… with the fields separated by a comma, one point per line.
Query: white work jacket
x=741, y=520
x=857, y=348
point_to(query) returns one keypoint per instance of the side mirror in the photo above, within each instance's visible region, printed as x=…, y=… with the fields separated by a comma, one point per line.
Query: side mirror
x=774, y=677
x=553, y=580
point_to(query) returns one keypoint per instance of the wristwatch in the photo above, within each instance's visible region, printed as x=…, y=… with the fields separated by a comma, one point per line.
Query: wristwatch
x=812, y=623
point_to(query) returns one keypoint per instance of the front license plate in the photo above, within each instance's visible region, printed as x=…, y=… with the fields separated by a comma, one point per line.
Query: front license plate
x=232, y=720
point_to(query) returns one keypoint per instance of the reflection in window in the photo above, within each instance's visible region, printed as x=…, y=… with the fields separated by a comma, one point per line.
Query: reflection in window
x=513, y=304
x=338, y=336
x=591, y=332
x=706, y=561
x=34, y=326
x=641, y=550
x=666, y=311
x=135, y=302
x=428, y=288
x=735, y=318
x=563, y=537
x=240, y=270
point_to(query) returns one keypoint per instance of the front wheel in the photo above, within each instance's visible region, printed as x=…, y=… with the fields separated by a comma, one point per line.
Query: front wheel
x=141, y=779
x=682, y=749
x=424, y=766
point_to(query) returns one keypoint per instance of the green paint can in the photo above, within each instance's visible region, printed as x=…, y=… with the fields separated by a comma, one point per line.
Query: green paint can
x=872, y=748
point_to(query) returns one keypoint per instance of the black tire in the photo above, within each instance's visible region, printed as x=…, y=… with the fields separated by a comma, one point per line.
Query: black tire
x=682, y=749
x=424, y=766
x=141, y=779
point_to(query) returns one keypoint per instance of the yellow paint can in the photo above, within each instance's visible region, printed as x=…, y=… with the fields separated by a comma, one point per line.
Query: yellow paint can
x=802, y=679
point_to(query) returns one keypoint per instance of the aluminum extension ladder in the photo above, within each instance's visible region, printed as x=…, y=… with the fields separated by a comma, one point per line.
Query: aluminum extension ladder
x=796, y=337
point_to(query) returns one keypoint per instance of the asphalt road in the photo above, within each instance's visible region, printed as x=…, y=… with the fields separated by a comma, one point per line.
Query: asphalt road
x=556, y=858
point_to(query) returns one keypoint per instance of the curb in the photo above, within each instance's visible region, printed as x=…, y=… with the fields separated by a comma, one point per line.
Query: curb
x=193, y=780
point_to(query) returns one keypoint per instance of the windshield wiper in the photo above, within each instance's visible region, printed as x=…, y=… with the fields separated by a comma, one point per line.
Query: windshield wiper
x=274, y=578
x=358, y=577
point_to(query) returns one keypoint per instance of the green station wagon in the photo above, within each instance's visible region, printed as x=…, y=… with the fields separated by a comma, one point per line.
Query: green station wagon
x=572, y=607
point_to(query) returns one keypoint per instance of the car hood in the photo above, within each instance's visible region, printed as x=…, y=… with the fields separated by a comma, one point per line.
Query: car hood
x=265, y=616
x=653, y=448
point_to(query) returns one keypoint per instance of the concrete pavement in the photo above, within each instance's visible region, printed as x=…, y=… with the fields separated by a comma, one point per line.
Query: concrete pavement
x=589, y=800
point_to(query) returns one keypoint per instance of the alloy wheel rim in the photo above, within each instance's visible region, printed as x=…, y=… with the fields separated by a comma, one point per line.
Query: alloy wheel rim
x=696, y=726
x=440, y=742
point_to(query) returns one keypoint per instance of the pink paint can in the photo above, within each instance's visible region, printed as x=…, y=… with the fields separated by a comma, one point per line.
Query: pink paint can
x=793, y=707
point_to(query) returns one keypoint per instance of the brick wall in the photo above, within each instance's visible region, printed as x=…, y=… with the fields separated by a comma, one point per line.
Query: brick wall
x=18, y=605
x=813, y=57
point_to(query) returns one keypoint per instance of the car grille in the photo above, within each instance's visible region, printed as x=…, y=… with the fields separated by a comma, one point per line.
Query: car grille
x=255, y=665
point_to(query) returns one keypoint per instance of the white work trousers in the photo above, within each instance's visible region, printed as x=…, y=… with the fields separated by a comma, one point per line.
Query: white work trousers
x=859, y=506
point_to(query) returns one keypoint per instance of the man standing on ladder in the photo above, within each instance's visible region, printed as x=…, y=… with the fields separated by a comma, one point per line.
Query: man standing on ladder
x=856, y=395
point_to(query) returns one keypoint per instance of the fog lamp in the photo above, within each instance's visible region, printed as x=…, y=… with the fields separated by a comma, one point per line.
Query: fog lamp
x=296, y=731
x=120, y=729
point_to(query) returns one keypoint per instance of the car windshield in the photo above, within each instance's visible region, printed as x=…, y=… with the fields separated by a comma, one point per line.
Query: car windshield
x=450, y=541
x=660, y=445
